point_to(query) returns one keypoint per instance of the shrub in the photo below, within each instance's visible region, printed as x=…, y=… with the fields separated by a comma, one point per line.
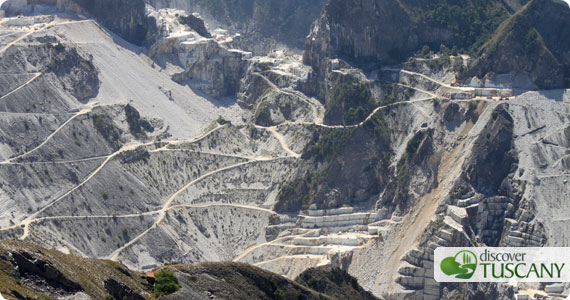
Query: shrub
x=312, y=282
x=166, y=283
x=354, y=96
x=414, y=143
x=109, y=297
x=472, y=24
x=279, y=294
x=531, y=40
x=425, y=51
x=454, y=50
x=330, y=144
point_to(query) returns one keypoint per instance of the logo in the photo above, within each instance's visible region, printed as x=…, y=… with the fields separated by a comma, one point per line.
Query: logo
x=462, y=265
x=502, y=264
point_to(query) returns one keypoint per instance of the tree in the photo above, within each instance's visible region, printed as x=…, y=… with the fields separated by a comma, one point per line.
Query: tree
x=425, y=51
x=444, y=50
x=279, y=294
x=165, y=283
x=454, y=50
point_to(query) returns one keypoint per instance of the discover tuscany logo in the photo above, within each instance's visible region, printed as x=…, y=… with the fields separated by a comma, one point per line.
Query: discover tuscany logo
x=462, y=265
x=502, y=264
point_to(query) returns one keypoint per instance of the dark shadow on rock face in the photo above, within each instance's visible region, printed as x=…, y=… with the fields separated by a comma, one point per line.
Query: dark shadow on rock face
x=287, y=22
x=453, y=116
x=556, y=95
x=127, y=18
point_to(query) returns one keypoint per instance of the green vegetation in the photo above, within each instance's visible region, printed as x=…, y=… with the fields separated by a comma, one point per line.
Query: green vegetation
x=107, y=129
x=263, y=114
x=89, y=274
x=330, y=144
x=531, y=40
x=393, y=93
x=301, y=192
x=472, y=24
x=425, y=52
x=381, y=131
x=454, y=50
x=279, y=294
x=414, y=143
x=109, y=297
x=544, y=59
x=403, y=170
x=334, y=282
x=166, y=283
x=312, y=282
x=499, y=36
x=354, y=282
x=403, y=178
x=354, y=97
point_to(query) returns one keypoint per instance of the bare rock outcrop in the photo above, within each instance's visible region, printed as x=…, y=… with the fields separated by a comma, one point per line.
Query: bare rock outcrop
x=194, y=57
x=126, y=18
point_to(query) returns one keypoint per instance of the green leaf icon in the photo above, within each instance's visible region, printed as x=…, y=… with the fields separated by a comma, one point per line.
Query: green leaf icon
x=463, y=265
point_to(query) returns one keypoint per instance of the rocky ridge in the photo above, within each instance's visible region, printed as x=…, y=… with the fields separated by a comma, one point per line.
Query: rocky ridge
x=261, y=25
x=29, y=271
x=386, y=162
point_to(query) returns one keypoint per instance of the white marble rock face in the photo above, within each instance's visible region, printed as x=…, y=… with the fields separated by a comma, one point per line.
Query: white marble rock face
x=180, y=151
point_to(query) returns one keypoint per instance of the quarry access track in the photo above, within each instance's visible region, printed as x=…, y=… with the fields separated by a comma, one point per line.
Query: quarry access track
x=168, y=204
x=87, y=109
x=317, y=117
x=32, y=218
x=36, y=76
x=32, y=31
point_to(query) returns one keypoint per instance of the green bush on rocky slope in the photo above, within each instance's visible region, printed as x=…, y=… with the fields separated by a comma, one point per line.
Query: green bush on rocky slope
x=334, y=282
x=498, y=34
x=166, y=283
x=353, y=97
x=471, y=23
x=346, y=157
x=525, y=44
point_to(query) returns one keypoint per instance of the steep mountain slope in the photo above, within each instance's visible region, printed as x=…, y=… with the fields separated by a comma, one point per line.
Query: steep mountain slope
x=31, y=272
x=436, y=199
x=334, y=282
x=128, y=19
x=369, y=33
x=189, y=150
x=535, y=51
x=262, y=24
